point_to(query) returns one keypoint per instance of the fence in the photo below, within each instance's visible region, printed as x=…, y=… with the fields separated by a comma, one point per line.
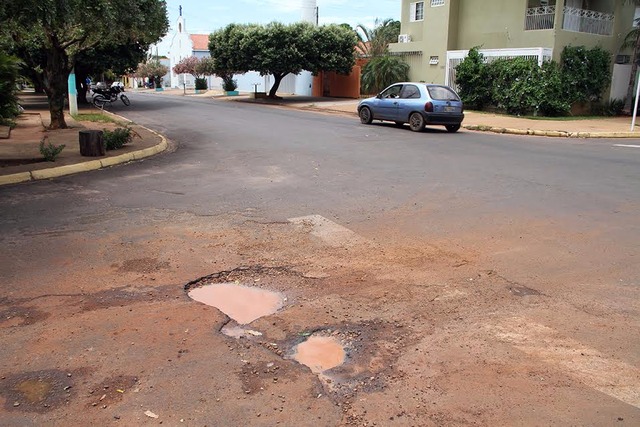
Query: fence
x=455, y=57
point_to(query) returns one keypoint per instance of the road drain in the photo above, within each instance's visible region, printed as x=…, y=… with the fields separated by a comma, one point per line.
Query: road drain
x=319, y=353
x=244, y=304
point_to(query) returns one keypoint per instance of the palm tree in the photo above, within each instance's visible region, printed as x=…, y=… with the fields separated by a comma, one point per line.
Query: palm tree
x=375, y=41
x=383, y=71
x=383, y=68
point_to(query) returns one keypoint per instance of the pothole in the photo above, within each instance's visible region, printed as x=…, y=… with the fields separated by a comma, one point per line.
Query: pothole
x=320, y=353
x=244, y=304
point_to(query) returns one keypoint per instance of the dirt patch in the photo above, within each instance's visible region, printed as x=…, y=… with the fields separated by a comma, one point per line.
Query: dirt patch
x=143, y=265
x=112, y=390
x=38, y=391
x=127, y=295
x=16, y=315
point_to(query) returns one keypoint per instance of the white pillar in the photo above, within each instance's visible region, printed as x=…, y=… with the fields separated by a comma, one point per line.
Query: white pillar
x=73, y=94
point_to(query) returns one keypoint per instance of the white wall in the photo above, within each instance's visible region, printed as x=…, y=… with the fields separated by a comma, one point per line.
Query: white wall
x=620, y=81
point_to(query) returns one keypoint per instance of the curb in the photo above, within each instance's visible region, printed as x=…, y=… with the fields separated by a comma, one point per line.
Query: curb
x=552, y=133
x=86, y=166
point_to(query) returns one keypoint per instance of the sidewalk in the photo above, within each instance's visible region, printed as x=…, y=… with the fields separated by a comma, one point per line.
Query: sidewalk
x=20, y=158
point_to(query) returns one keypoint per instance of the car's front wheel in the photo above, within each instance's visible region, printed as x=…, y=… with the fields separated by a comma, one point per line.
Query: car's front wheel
x=365, y=115
x=416, y=122
x=452, y=128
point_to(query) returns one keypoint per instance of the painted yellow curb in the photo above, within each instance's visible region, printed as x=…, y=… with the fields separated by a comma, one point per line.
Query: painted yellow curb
x=59, y=171
x=66, y=170
x=116, y=160
x=15, y=178
x=552, y=133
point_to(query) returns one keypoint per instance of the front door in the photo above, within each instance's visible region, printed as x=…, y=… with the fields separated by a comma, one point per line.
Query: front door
x=386, y=106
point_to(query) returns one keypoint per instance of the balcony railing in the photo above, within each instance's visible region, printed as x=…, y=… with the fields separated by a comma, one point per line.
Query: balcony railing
x=588, y=21
x=575, y=19
x=540, y=18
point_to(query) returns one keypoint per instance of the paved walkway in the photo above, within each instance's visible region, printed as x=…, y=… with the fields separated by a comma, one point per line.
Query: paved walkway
x=20, y=159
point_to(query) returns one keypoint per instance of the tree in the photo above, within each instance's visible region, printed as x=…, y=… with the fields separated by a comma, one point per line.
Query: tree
x=188, y=66
x=153, y=70
x=197, y=67
x=118, y=59
x=383, y=71
x=66, y=29
x=375, y=41
x=632, y=40
x=279, y=50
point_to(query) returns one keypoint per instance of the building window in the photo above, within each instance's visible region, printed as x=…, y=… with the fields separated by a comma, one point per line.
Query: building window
x=416, y=11
x=435, y=3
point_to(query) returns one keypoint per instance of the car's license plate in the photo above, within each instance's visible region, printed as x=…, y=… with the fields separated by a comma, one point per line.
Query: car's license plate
x=449, y=109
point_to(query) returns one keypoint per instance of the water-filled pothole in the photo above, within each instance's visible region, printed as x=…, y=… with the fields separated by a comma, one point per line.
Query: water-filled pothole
x=320, y=353
x=244, y=304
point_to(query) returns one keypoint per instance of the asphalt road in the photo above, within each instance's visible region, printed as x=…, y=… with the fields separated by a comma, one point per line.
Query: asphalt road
x=547, y=229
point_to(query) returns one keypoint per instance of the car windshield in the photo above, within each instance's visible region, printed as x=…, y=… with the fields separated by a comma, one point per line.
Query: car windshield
x=442, y=93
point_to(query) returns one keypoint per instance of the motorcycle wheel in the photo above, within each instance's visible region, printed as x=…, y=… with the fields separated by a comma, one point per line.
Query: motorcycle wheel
x=125, y=100
x=99, y=101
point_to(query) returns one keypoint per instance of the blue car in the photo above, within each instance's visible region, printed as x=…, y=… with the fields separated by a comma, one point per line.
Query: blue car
x=418, y=104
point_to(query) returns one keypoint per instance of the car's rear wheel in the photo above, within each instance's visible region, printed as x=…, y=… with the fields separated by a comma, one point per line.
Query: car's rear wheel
x=416, y=122
x=365, y=115
x=452, y=128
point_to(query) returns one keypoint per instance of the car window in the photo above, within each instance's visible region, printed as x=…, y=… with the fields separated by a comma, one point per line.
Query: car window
x=410, y=92
x=442, y=93
x=392, y=92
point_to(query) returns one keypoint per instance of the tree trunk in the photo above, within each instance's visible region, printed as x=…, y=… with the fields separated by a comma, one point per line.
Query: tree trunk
x=56, y=75
x=91, y=143
x=628, y=103
x=81, y=87
x=276, y=84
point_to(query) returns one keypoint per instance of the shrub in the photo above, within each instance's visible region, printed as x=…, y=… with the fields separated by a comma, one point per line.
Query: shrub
x=201, y=83
x=586, y=72
x=228, y=83
x=8, y=89
x=513, y=85
x=115, y=139
x=49, y=151
x=519, y=86
x=552, y=96
x=612, y=108
x=471, y=78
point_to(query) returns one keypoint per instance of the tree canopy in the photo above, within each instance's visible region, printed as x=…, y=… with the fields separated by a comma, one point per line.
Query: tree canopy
x=67, y=29
x=279, y=49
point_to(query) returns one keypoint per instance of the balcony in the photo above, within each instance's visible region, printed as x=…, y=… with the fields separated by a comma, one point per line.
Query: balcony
x=588, y=21
x=540, y=18
x=575, y=19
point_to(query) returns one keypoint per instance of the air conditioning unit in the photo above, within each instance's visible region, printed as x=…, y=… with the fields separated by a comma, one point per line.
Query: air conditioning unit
x=623, y=59
x=404, y=38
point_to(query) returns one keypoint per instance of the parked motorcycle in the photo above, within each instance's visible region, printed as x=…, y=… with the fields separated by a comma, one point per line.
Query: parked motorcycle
x=102, y=96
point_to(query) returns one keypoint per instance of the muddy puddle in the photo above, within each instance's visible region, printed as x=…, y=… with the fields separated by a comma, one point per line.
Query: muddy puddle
x=244, y=304
x=320, y=353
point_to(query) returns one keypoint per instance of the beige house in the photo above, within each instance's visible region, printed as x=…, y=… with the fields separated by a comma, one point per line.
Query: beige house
x=437, y=34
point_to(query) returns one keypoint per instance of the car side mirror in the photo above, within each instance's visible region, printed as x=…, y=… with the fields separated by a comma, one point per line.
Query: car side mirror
x=379, y=96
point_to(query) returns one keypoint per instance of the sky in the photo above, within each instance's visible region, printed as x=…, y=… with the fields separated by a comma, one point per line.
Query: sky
x=205, y=16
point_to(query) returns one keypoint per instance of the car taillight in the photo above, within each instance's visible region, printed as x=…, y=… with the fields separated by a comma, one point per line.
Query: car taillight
x=428, y=107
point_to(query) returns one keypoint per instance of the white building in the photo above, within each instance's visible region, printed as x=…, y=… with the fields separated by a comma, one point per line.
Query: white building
x=184, y=45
